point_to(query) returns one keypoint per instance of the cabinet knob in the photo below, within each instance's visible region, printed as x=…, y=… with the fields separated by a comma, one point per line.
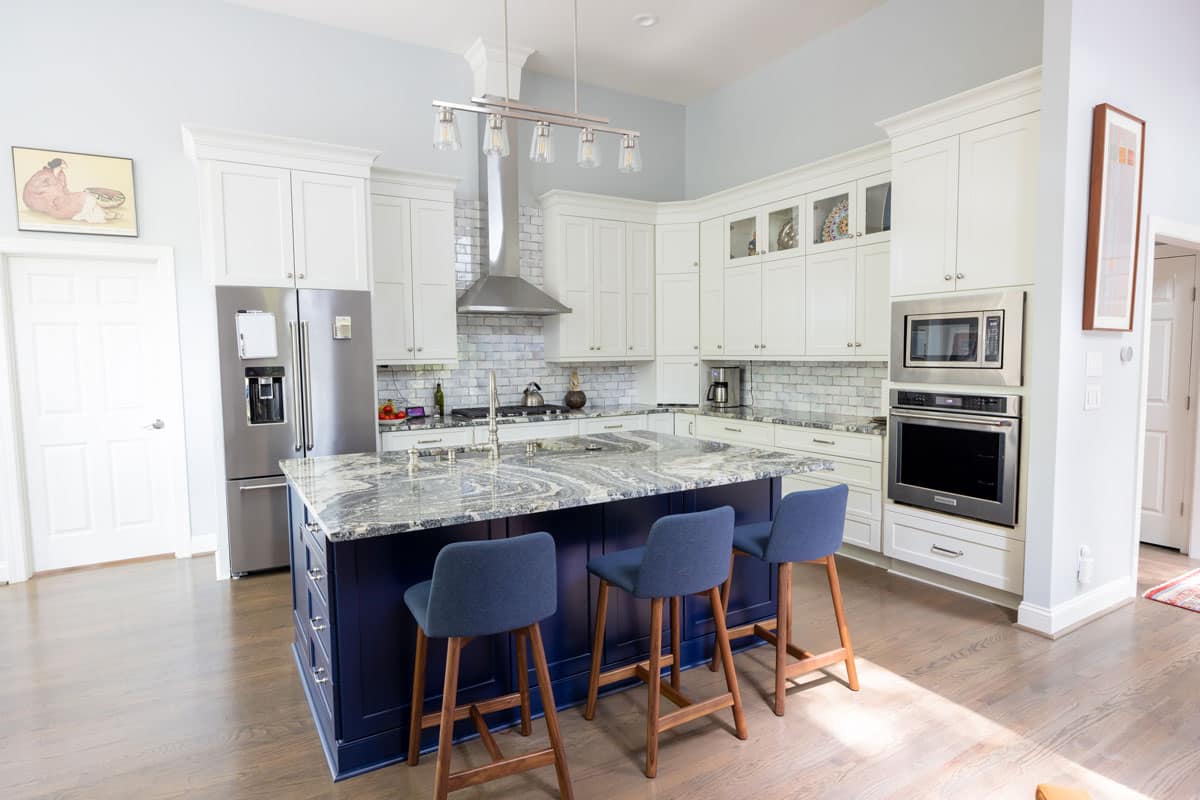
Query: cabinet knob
x=410, y=349
x=858, y=234
x=858, y=344
x=960, y=276
x=289, y=275
x=849, y=344
x=300, y=276
x=755, y=347
x=947, y=276
x=695, y=263
x=697, y=347
x=419, y=349
x=695, y=363
x=763, y=346
x=720, y=347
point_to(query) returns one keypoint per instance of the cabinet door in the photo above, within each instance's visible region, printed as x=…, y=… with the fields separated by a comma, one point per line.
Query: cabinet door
x=391, y=300
x=578, y=283
x=639, y=285
x=743, y=311
x=997, y=204
x=678, y=380
x=435, y=320
x=831, y=217
x=742, y=245
x=677, y=248
x=783, y=311
x=873, y=309
x=784, y=226
x=678, y=317
x=249, y=211
x=712, y=288
x=925, y=213
x=329, y=227
x=830, y=304
x=874, y=212
x=608, y=324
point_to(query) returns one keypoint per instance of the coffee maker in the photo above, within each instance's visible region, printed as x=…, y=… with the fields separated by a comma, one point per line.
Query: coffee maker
x=724, y=387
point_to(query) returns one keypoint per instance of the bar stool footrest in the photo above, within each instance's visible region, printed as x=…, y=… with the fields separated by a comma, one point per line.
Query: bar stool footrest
x=462, y=712
x=500, y=769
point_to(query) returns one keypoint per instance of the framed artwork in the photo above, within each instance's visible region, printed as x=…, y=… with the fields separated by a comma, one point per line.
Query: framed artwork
x=1114, y=219
x=74, y=192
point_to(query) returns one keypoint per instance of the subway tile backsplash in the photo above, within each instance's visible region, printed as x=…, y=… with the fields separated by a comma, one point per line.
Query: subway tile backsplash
x=827, y=387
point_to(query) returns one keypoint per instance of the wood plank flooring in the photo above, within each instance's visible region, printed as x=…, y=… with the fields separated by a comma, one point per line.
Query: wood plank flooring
x=151, y=680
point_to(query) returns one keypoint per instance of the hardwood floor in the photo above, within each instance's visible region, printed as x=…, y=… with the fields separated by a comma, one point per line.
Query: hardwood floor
x=151, y=680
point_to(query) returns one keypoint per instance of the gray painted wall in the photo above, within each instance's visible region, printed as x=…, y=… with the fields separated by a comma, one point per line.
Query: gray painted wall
x=826, y=97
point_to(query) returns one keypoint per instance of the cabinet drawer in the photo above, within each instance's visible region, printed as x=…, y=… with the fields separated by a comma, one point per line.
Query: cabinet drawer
x=318, y=621
x=528, y=431
x=974, y=555
x=439, y=437
x=865, y=503
x=735, y=431
x=834, y=443
x=631, y=422
x=320, y=678
x=316, y=577
x=864, y=474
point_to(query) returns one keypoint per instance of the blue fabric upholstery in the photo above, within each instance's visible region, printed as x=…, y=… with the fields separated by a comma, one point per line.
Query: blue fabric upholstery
x=808, y=525
x=619, y=568
x=488, y=587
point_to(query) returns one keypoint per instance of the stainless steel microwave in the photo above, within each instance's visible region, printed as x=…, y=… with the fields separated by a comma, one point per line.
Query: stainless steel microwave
x=972, y=339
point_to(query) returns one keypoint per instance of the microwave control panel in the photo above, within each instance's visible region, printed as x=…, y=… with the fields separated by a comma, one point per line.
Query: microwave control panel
x=993, y=333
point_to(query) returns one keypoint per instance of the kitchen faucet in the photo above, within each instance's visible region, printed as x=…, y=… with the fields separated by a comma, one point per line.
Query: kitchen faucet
x=493, y=443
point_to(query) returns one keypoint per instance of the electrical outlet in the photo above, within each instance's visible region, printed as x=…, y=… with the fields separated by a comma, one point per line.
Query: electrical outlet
x=1091, y=397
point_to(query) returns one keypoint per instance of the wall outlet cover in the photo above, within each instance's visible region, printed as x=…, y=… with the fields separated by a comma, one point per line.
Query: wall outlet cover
x=1092, y=397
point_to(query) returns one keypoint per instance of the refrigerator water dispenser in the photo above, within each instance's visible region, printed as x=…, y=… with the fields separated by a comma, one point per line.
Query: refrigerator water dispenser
x=264, y=395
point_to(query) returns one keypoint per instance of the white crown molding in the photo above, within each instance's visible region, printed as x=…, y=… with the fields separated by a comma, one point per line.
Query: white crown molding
x=246, y=147
x=486, y=59
x=413, y=184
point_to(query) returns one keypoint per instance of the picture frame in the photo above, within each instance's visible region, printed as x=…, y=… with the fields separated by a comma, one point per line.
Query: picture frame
x=61, y=191
x=1114, y=219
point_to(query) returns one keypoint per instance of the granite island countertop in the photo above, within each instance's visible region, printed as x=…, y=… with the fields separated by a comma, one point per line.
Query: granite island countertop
x=374, y=494
x=845, y=423
x=587, y=412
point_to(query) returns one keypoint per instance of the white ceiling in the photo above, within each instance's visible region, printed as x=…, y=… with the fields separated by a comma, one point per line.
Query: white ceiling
x=697, y=45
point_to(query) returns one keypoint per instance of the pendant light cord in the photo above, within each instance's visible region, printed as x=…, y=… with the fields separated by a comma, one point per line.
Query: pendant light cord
x=575, y=51
x=507, y=63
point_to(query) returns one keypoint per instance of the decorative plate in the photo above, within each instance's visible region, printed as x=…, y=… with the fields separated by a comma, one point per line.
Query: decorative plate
x=837, y=224
x=787, y=237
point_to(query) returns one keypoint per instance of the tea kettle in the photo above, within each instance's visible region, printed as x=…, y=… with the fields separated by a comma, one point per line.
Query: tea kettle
x=532, y=396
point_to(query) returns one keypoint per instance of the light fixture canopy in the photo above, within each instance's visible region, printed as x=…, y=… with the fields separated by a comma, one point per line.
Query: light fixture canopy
x=495, y=136
x=629, y=157
x=541, y=147
x=588, y=154
x=445, y=130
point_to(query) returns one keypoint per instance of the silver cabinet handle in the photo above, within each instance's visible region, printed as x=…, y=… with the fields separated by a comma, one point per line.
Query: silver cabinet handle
x=959, y=275
x=319, y=676
x=317, y=624
x=613, y=427
x=262, y=486
x=947, y=276
x=937, y=549
x=296, y=419
x=849, y=344
x=755, y=347
x=289, y=275
x=824, y=441
x=720, y=347
x=428, y=441
x=763, y=346
x=859, y=234
x=419, y=349
x=410, y=349
x=315, y=575
x=630, y=347
x=309, y=434
x=858, y=344
x=301, y=276
x=733, y=430
x=695, y=363
x=692, y=428
x=695, y=263
x=695, y=347
x=313, y=528
x=157, y=425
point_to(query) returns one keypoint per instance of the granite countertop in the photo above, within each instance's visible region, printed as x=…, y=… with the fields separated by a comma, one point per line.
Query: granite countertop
x=433, y=423
x=803, y=419
x=373, y=494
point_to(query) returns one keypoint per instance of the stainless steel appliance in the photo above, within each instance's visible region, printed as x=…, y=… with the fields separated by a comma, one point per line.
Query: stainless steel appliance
x=724, y=387
x=298, y=382
x=956, y=453
x=532, y=396
x=972, y=339
x=481, y=412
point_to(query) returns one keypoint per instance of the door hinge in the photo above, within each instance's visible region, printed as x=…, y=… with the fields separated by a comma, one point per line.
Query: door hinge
x=1187, y=406
x=1181, y=508
x=1193, y=294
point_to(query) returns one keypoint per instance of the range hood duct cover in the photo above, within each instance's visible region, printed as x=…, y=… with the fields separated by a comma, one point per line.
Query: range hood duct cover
x=501, y=289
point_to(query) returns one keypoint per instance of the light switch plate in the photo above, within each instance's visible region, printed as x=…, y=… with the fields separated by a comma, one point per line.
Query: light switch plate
x=1095, y=365
x=1091, y=397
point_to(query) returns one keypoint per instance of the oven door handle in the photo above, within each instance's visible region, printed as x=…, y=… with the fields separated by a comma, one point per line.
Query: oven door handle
x=949, y=419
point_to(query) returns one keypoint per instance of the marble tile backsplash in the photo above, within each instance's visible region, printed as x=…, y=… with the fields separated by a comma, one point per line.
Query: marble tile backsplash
x=830, y=387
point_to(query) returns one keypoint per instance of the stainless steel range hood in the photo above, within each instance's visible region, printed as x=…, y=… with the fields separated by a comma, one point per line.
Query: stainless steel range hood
x=501, y=289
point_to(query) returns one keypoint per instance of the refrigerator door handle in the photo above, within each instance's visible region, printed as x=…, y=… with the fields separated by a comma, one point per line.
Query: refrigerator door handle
x=296, y=405
x=309, y=433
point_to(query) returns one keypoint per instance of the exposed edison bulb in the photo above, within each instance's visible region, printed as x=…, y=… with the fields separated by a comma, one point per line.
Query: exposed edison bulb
x=541, y=148
x=630, y=155
x=495, y=137
x=589, y=154
x=445, y=130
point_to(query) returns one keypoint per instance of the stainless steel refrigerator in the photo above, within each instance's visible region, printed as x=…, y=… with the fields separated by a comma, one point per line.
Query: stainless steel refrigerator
x=297, y=380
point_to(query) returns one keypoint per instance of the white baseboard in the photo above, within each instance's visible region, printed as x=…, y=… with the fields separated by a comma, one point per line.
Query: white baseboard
x=204, y=544
x=1065, y=617
x=4, y=572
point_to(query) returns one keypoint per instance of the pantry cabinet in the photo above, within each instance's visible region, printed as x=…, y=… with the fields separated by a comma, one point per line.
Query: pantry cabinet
x=639, y=283
x=712, y=289
x=678, y=315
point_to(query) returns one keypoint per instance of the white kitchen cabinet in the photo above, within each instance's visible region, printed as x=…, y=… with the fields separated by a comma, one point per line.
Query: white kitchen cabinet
x=743, y=311
x=678, y=380
x=782, y=224
x=924, y=239
x=628, y=422
x=872, y=303
x=783, y=312
x=639, y=289
x=735, y=431
x=329, y=231
x=712, y=288
x=609, y=301
x=390, y=441
x=529, y=431
x=661, y=423
x=830, y=304
x=874, y=211
x=677, y=248
x=685, y=425
x=678, y=315
x=575, y=330
x=831, y=218
x=997, y=204
x=249, y=221
x=742, y=245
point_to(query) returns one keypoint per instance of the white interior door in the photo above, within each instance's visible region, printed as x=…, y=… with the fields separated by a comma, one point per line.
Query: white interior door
x=1169, y=426
x=99, y=419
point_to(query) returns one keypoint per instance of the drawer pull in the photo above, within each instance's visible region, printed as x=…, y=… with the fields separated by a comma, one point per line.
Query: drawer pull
x=313, y=528
x=938, y=550
x=319, y=676
x=317, y=624
x=824, y=441
x=613, y=427
x=262, y=486
x=428, y=441
x=733, y=430
x=315, y=575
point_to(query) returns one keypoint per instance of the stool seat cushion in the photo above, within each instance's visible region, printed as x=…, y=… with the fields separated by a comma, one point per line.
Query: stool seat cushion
x=752, y=539
x=417, y=600
x=619, y=568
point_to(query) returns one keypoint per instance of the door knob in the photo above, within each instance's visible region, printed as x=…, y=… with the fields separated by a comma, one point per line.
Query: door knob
x=157, y=425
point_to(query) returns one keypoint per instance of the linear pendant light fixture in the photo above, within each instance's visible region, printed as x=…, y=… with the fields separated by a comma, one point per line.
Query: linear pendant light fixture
x=495, y=139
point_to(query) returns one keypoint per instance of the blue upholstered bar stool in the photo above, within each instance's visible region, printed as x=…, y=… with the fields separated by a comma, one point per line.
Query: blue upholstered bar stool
x=684, y=554
x=481, y=589
x=807, y=527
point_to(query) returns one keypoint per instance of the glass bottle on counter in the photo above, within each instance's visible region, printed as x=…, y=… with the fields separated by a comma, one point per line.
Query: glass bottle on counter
x=439, y=400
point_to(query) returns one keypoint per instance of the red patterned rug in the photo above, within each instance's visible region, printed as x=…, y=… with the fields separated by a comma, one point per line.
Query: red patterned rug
x=1183, y=591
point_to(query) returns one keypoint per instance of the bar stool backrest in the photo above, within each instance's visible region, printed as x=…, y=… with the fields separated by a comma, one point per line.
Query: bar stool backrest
x=686, y=553
x=495, y=586
x=808, y=525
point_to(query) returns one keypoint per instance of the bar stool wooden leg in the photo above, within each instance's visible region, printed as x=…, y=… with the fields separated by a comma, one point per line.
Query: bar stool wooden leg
x=739, y=719
x=589, y=711
x=725, y=587
x=676, y=622
x=783, y=625
x=551, y=713
x=835, y=590
x=654, y=685
x=441, y=779
x=523, y=682
x=418, y=701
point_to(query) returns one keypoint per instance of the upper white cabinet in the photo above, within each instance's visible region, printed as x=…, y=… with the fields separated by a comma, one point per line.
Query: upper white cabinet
x=712, y=288
x=677, y=248
x=924, y=242
x=832, y=218
x=771, y=231
x=830, y=303
x=678, y=315
x=249, y=209
x=874, y=209
x=639, y=283
x=872, y=305
x=783, y=293
x=329, y=228
x=609, y=304
x=743, y=311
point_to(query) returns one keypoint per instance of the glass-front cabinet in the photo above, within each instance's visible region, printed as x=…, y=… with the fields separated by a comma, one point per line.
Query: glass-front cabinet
x=741, y=238
x=831, y=218
x=875, y=209
x=784, y=225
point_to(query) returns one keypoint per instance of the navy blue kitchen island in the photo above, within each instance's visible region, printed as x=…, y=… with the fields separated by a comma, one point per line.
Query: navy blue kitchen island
x=366, y=527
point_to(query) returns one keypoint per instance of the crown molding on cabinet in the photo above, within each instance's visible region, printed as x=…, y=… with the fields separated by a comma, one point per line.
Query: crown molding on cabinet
x=1001, y=99
x=413, y=185
x=245, y=147
x=599, y=206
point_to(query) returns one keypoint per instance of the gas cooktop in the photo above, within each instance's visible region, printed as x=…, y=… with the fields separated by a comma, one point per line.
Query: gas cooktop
x=509, y=411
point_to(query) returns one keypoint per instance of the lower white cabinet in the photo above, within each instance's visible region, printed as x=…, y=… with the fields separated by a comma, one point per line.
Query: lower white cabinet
x=678, y=380
x=956, y=547
x=527, y=431
x=435, y=438
x=685, y=425
x=735, y=431
x=630, y=422
x=660, y=423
